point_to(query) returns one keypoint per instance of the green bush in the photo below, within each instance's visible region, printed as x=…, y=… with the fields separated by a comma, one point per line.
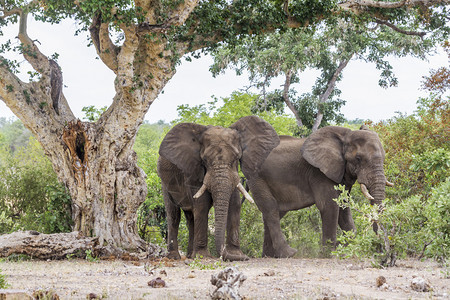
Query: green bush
x=31, y=198
x=414, y=227
x=251, y=230
x=417, y=148
x=151, y=216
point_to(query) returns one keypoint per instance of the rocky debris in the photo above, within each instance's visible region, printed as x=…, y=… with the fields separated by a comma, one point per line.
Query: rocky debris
x=380, y=281
x=156, y=251
x=269, y=273
x=157, y=283
x=47, y=295
x=419, y=284
x=227, y=284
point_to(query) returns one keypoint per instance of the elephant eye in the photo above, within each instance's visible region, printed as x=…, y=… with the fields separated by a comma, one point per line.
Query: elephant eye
x=358, y=158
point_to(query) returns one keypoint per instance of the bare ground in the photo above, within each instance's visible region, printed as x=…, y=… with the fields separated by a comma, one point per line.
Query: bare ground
x=266, y=279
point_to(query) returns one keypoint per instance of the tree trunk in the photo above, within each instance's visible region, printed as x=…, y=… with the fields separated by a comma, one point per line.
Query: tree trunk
x=95, y=161
x=330, y=87
x=107, y=186
x=286, y=86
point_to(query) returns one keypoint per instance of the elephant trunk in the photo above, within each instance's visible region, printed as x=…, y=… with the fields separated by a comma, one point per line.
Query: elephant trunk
x=376, y=185
x=221, y=201
x=223, y=182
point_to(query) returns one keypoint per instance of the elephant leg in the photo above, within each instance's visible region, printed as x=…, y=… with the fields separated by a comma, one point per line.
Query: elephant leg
x=269, y=250
x=190, y=224
x=201, y=210
x=268, y=206
x=173, y=216
x=345, y=220
x=330, y=216
x=232, y=250
x=281, y=249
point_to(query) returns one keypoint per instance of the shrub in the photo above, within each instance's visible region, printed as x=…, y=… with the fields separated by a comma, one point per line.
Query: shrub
x=417, y=148
x=30, y=196
x=151, y=216
x=415, y=227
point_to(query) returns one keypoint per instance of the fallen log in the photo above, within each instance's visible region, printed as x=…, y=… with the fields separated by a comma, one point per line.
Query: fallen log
x=46, y=246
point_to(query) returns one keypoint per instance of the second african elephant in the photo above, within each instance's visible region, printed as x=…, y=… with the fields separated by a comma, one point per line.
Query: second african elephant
x=198, y=166
x=303, y=172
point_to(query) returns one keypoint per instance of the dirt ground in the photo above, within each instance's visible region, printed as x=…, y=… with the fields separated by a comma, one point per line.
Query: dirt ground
x=266, y=279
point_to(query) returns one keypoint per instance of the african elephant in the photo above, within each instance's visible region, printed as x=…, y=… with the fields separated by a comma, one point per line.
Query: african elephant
x=301, y=172
x=198, y=166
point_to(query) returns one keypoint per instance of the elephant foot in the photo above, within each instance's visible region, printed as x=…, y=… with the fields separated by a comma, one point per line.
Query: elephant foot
x=234, y=255
x=201, y=253
x=327, y=248
x=285, y=252
x=174, y=255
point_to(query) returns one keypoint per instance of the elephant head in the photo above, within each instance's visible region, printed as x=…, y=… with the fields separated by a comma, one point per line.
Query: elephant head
x=345, y=156
x=209, y=156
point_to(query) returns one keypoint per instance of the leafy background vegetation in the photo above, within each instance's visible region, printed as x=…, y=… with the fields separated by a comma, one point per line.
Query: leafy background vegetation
x=414, y=222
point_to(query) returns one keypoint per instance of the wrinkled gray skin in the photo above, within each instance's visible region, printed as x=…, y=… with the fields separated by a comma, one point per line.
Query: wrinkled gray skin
x=302, y=172
x=192, y=155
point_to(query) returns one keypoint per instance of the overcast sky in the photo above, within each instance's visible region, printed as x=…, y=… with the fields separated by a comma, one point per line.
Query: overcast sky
x=88, y=82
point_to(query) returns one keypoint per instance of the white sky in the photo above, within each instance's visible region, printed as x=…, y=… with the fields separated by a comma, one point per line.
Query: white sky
x=88, y=82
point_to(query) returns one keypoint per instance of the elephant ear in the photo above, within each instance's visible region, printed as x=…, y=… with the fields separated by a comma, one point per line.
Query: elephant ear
x=324, y=150
x=258, y=139
x=181, y=146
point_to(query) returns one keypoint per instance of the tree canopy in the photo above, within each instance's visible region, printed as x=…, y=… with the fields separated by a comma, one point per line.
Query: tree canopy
x=327, y=47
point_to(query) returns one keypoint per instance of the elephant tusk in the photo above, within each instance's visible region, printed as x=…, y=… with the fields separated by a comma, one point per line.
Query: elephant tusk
x=366, y=192
x=200, y=191
x=389, y=183
x=244, y=192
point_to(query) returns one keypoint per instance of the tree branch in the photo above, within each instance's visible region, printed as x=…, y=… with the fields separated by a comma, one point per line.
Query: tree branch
x=390, y=25
x=10, y=87
x=22, y=97
x=8, y=13
x=105, y=48
x=356, y=5
x=330, y=87
x=287, y=84
x=178, y=16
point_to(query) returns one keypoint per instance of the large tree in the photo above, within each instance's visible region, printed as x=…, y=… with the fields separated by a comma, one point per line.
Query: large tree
x=327, y=48
x=141, y=42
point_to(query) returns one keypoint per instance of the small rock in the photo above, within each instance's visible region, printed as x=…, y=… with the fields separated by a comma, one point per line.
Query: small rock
x=354, y=267
x=269, y=273
x=380, y=281
x=157, y=283
x=419, y=284
x=227, y=284
x=163, y=272
x=92, y=296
